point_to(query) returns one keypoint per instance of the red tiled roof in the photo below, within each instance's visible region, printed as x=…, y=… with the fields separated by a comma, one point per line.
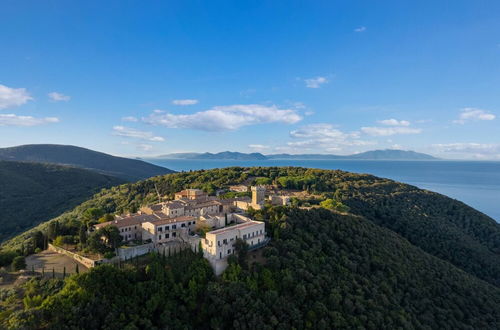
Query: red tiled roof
x=172, y=220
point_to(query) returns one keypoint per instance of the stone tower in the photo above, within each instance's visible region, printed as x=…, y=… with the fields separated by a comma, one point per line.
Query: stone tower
x=258, y=195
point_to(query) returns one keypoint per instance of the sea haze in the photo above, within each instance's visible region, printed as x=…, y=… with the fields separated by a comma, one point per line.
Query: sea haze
x=472, y=182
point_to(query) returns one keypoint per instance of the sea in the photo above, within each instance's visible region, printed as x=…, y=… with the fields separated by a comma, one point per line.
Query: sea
x=476, y=183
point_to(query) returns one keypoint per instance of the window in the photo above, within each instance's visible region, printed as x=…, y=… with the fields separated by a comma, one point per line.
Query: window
x=159, y=236
x=245, y=236
x=167, y=227
x=224, y=241
x=167, y=235
x=174, y=226
x=218, y=243
x=261, y=231
x=135, y=227
x=160, y=228
x=174, y=234
x=194, y=222
x=183, y=225
x=228, y=251
x=189, y=223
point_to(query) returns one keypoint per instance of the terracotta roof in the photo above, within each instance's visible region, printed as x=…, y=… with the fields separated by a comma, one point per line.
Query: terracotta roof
x=128, y=221
x=204, y=204
x=172, y=220
x=235, y=227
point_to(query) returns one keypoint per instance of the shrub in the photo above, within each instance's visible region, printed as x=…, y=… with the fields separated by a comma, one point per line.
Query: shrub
x=19, y=263
x=109, y=255
x=62, y=240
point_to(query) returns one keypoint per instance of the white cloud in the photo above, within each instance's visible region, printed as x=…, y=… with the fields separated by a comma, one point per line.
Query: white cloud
x=469, y=150
x=130, y=119
x=185, y=102
x=325, y=137
x=15, y=120
x=315, y=82
x=225, y=118
x=137, y=134
x=360, y=29
x=13, y=97
x=394, y=122
x=145, y=147
x=473, y=114
x=57, y=97
x=258, y=147
x=388, y=131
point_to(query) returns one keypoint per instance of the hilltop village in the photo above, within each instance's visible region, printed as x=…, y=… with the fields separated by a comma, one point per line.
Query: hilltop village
x=196, y=220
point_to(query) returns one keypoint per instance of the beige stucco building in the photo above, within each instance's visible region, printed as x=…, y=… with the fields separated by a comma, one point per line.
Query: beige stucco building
x=219, y=244
x=168, y=229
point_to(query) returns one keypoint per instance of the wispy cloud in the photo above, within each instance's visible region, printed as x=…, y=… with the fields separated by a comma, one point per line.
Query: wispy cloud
x=388, y=131
x=185, y=102
x=259, y=147
x=394, y=122
x=469, y=150
x=145, y=147
x=324, y=137
x=360, y=29
x=15, y=120
x=58, y=97
x=135, y=133
x=473, y=114
x=315, y=82
x=13, y=97
x=130, y=119
x=226, y=118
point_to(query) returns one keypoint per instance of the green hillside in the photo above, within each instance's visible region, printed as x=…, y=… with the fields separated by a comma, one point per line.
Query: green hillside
x=323, y=271
x=32, y=193
x=401, y=258
x=124, y=168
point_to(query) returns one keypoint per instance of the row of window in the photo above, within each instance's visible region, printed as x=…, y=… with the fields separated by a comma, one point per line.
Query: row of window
x=127, y=229
x=252, y=234
x=167, y=235
x=183, y=225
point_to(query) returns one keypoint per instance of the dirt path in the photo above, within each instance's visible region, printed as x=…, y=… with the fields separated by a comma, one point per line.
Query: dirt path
x=46, y=261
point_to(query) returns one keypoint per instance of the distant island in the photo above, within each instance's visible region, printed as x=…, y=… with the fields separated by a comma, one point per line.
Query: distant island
x=387, y=154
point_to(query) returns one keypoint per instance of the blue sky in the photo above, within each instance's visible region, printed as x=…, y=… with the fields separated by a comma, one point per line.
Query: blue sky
x=141, y=78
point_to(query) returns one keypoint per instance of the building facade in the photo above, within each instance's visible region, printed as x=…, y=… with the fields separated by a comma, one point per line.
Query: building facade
x=219, y=244
x=169, y=229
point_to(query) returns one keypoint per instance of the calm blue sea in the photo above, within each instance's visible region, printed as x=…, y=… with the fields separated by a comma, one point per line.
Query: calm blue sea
x=472, y=182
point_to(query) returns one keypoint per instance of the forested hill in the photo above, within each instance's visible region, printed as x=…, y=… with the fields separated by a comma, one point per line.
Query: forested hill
x=31, y=193
x=394, y=256
x=124, y=168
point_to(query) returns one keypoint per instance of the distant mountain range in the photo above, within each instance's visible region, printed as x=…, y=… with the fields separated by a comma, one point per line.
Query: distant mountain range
x=388, y=154
x=123, y=168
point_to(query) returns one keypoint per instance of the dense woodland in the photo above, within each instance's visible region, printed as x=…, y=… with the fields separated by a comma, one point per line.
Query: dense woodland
x=393, y=256
x=322, y=270
x=32, y=193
